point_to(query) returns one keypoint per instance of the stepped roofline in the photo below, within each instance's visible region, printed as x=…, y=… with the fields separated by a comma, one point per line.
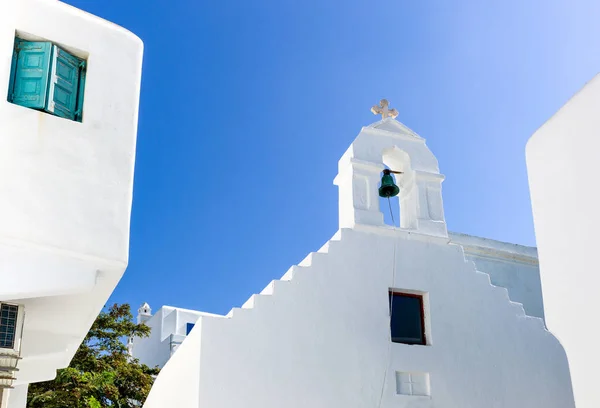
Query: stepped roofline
x=495, y=249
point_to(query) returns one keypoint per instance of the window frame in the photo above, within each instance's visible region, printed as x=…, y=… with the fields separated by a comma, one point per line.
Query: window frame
x=421, y=297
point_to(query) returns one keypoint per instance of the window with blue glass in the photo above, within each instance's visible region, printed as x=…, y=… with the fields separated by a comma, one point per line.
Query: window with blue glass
x=47, y=78
x=8, y=325
x=189, y=328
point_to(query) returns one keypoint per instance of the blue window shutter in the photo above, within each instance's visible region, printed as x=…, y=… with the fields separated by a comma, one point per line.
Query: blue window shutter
x=81, y=91
x=64, y=84
x=13, y=72
x=189, y=328
x=32, y=71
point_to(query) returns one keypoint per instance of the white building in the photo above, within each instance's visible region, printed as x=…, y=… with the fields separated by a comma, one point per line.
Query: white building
x=561, y=160
x=323, y=336
x=69, y=93
x=170, y=326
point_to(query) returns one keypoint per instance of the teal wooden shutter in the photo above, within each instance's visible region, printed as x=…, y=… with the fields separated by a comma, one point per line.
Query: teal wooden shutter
x=32, y=70
x=13, y=72
x=64, y=84
x=80, y=91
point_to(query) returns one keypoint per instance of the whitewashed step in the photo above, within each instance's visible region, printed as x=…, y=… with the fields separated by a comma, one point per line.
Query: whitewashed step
x=312, y=259
x=237, y=312
x=535, y=320
x=517, y=308
x=275, y=286
x=291, y=273
x=483, y=276
x=250, y=303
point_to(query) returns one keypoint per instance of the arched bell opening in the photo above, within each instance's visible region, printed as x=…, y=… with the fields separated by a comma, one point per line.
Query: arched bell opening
x=403, y=213
x=389, y=203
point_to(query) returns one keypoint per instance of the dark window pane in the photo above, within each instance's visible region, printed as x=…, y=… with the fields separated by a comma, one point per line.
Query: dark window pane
x=8, y=325
x=407, y=318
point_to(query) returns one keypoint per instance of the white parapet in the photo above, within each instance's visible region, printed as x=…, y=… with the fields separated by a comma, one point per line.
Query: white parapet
x=65, y=185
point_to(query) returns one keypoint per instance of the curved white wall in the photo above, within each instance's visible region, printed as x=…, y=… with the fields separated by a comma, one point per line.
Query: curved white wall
x=70, y=184
x=562, y=162
x=66, y=187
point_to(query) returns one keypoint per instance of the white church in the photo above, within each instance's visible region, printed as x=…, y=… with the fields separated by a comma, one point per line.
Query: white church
x=379, y=316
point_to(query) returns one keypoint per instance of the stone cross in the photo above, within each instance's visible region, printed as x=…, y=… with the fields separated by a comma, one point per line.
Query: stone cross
x=383, y=110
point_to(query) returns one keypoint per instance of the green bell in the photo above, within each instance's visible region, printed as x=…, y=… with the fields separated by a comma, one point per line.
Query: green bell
x=388, y=187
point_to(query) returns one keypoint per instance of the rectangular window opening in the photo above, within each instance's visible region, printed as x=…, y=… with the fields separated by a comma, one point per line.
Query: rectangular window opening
x=47, y=78
x=407, y=318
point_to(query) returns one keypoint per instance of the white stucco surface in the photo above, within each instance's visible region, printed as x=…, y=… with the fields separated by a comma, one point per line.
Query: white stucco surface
x=514, y=267
x=562, y=160
x=70, y=184
x=320, y=336
x=182, y=372
x=66, y=193
x=18, y=397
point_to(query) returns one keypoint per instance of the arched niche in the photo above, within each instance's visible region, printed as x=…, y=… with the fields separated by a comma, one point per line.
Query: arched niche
x=397, y=159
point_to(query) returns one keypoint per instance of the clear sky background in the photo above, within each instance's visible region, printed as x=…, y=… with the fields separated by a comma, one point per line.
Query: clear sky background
x=247, y=106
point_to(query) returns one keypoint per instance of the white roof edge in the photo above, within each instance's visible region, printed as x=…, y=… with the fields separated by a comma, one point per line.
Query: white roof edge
x=198, y=312
x=494, y=248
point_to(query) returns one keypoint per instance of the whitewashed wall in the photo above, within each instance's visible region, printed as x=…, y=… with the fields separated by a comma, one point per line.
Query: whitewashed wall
x=18, y=396
x=321, y=339
x=514, y=267
x=71, y=184
x=320, y=336
x=65, y=198
x=181, y=374
x=154, y=350
x=562, y=160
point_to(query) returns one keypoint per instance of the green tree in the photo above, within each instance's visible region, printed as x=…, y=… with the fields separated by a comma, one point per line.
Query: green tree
x=101, y=374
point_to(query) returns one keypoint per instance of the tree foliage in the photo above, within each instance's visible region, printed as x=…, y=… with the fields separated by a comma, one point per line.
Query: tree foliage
x=101, y=374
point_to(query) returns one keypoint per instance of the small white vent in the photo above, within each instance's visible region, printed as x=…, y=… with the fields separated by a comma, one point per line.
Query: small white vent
x=416, y=384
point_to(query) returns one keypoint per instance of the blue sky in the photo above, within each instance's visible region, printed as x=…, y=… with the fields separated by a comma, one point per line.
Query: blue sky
x=246, y=108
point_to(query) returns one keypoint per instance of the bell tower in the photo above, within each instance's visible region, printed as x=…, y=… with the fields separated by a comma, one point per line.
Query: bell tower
x=390, y=144
x=144, y=313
